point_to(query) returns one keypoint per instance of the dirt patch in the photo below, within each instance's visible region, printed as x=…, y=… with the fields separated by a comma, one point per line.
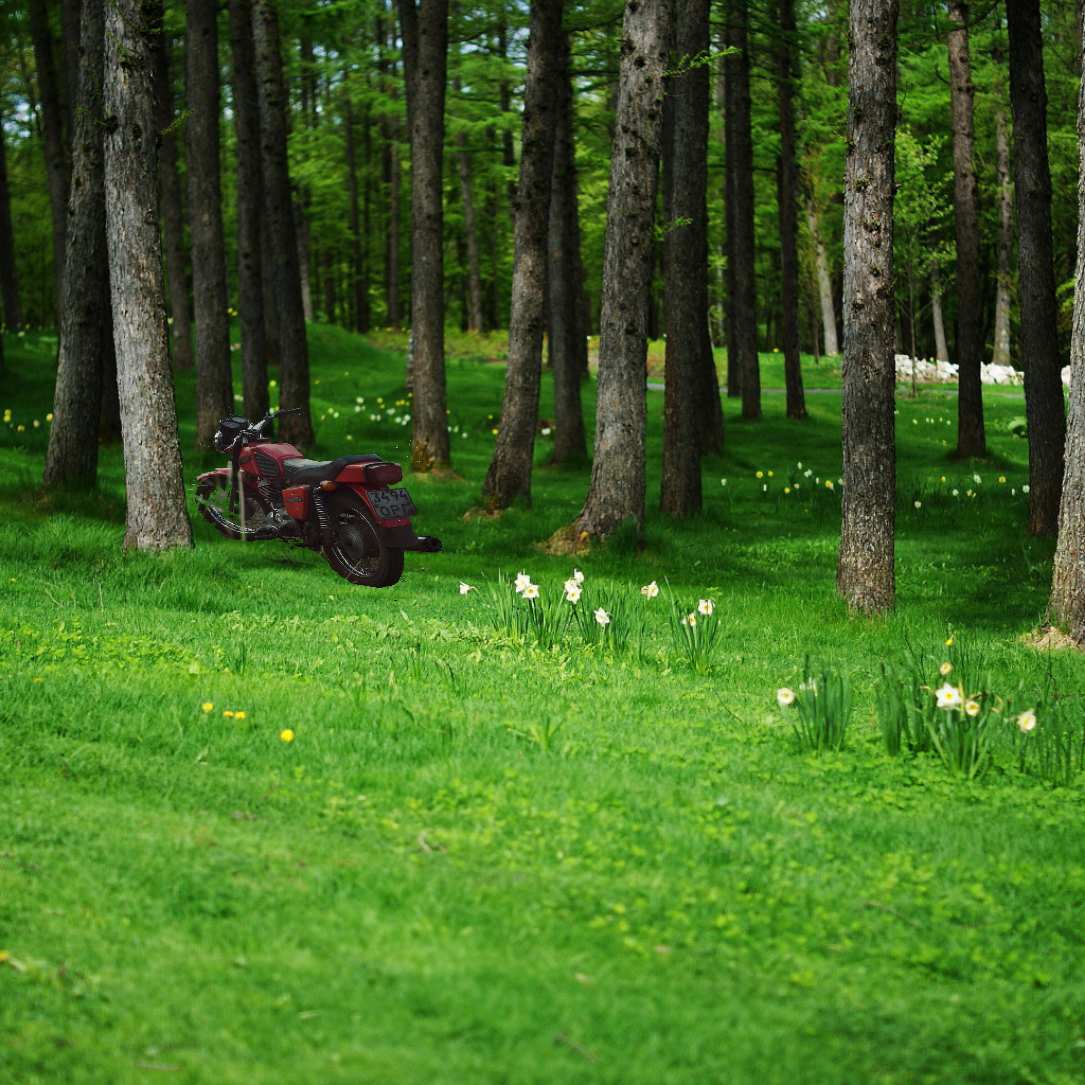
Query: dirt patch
x=1048, y=639
x=566, y=542
x=482, y=512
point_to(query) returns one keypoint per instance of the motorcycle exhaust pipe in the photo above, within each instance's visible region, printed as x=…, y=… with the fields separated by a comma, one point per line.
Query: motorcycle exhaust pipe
x=427, y=544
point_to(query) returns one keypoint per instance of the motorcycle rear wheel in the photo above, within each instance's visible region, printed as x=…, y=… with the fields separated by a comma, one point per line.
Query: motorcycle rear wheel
x=357, y=550
x=213, y=500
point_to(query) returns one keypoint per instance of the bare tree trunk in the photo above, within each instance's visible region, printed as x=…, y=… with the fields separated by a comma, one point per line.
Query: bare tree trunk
x=474, y=274
x=742, y=307
x=509, y=476
x=250, y=215
x=85, y=324
x=941, y=348
x=9, y=283
x=787, y=189
x=685, y=187
x=617, y=487
x=425, y=58
x=865, y=574
x=825, y=284
x=1067, y=605
x=157, y=518
x=301, y=239
x=1001, y=354
x=293, y=345
x=52, y=119
x=970, y=435
x=172, y=211
x=329, y=286
x=355, y=218
x=214, y=387
x=568, y=342
x=1044, y=408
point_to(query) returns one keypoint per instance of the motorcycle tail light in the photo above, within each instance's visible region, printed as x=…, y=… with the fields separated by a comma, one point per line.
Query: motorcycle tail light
x=383, y=473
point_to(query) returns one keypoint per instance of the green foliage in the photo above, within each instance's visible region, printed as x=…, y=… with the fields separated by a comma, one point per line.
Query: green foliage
x=819, y=708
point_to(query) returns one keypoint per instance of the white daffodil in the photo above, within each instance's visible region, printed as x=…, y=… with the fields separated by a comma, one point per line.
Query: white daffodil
x=785, y=696
x=531, y=591
x=690, y=619
x=1027, y=721
x=949, y=696
x=572, y=594
x=945, y=669
x=602, y=617
x=572, y=584
x=578, y=576
x=972, y=708
x=522, y=581
x=705, y=607
x=650, y=591
x=465, y=588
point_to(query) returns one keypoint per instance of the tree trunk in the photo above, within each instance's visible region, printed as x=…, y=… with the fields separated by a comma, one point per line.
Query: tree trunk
x=865, y=574
x=509, y=476
x=474, y=274
x=970, y=435
x=618, y=468
x=297, y=429
x=825, y=283
x=1067, y=605
x=941, y=348
x=742, y=306
x=85, y=324
x=301, y=239
x=1001, y=355
x=154, y=483
x=329, y=286
x=1044, y=409
x=52, y=119
x=364, y=319
x=355, y=217
x=173, y=227
x=787, y=191
x=568, y=343
x=425, y=57
x=9, y=283
x=685, y=215
x=250, y=216
x=214, y=387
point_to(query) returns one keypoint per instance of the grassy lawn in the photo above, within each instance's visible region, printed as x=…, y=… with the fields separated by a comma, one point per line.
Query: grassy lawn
x=480, y=860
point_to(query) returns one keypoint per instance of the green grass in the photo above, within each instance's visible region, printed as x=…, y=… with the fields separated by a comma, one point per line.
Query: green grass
x=479, y=861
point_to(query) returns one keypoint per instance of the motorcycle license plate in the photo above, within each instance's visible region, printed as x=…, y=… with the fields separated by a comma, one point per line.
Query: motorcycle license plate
x=390, y=504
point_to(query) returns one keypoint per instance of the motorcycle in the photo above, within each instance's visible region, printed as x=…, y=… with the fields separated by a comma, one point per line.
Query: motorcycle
x=348, y=510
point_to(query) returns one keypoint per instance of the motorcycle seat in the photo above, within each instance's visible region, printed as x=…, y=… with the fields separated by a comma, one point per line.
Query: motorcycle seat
x=310, y=472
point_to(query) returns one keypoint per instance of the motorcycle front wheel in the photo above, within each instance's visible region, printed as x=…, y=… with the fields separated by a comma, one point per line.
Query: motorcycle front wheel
x=213, y=500
x=357, y=550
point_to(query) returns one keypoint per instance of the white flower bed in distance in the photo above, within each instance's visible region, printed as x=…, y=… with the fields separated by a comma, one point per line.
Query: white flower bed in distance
x=945, y=372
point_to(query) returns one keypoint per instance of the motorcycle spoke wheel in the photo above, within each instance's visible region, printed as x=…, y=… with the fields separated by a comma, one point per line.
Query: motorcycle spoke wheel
x=357, y=550
x=213, y=500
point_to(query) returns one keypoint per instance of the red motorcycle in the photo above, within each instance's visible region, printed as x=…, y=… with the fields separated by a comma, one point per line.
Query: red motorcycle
x=345, y=509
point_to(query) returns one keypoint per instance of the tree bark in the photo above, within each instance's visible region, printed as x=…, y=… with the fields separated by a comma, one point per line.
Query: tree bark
x=509, y=476
x=970, y=434
x=360, y=301
x=9, y=283
x=173, y=228
x=742, y=305
x=214, y=387
x=297, y=429
x=825, y=283
x=941, y=347
x=250, y=216
x=787, y=194
x=85, y=324
x=1067, y=604
x=567, y=340
x=474, y=274
x=157, y=518
x=425, y=57
x=1001, y=355
x=865, y=573
x=52, y=120
x=685, y=214
x=617, y=485
x=1044, y=408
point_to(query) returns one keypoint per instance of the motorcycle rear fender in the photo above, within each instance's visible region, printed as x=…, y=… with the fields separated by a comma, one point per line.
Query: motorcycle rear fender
x=224, y=473
x=363, y=493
